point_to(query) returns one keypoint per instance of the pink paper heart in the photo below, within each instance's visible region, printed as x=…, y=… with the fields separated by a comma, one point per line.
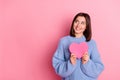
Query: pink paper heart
x=78, y=49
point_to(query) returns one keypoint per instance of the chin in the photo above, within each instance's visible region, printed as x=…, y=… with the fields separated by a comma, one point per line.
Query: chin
x=78, y=32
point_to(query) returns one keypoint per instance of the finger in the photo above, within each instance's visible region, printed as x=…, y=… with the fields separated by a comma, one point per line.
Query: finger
x=84, y=60
x=73, y=55
x=86, y=53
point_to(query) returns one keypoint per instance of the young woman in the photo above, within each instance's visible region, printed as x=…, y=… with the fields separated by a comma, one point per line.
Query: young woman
x=66, y=64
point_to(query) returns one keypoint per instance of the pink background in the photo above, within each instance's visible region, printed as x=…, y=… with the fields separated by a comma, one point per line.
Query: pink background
x=30, y=31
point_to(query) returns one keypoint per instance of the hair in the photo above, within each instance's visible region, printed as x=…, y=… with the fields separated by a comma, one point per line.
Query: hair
x=88, y=32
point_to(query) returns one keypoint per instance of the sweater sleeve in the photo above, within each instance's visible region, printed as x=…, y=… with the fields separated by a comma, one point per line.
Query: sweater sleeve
x=94, y=66
x=62, y=67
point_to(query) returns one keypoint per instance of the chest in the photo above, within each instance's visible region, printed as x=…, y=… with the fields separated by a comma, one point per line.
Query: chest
x=67, y=51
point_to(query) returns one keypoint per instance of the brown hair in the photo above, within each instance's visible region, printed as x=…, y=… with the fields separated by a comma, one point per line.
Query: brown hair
x=88, y=32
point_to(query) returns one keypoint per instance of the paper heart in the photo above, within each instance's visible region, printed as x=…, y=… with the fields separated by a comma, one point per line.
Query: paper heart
x=78, y=49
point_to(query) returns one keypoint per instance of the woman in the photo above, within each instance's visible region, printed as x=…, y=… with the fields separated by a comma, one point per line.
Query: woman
x=66, y=64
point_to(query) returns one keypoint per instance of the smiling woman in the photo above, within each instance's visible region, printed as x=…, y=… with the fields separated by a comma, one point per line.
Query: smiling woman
x=67, y=64
x=30, y=29
x=79, y=26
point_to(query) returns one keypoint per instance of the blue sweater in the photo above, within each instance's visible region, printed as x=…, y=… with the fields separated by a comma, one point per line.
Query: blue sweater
x=63, y=67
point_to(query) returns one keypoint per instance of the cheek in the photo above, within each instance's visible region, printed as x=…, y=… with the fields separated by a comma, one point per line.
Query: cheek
x=84, y=27
x=74, y=26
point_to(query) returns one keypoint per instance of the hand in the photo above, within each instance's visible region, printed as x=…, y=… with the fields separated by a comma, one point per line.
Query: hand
x=85, y=58
x=73, y=59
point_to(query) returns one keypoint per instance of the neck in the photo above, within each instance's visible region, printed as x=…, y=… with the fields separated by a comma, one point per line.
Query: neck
x=78, y=35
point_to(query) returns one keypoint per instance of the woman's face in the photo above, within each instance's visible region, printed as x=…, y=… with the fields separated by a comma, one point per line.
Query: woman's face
x=79, y=25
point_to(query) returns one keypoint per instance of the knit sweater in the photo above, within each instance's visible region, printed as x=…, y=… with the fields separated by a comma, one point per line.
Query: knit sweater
x=63, y=67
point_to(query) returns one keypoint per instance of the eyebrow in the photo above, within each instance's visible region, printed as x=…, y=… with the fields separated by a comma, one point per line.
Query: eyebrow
x=78, y=20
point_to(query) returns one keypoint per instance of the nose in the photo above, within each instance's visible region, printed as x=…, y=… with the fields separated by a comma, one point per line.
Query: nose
x=79, y=24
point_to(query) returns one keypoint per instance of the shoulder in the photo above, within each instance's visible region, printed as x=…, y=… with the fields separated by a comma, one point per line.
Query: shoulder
x=92, y=42
x=64, y=39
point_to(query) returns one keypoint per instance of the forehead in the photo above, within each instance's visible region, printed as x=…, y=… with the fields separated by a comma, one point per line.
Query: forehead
x=81, y=18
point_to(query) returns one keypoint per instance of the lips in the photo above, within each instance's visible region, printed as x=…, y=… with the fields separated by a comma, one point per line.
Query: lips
x=77, y=28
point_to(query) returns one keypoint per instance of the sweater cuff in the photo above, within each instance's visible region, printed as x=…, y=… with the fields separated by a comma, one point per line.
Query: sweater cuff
x=87, y=64
x=71, y=66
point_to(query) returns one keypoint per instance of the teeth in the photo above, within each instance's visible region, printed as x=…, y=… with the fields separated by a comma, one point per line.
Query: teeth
x=77, y=28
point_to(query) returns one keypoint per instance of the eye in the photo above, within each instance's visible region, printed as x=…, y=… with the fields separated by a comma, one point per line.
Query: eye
x=83, y=22
x=76, y=21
